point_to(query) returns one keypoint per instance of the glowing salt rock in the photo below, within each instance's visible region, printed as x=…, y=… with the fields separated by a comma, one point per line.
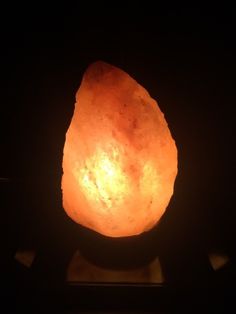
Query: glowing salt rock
x=120, y=161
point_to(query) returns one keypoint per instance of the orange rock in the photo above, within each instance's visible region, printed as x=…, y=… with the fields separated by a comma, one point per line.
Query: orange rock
x=120, y=161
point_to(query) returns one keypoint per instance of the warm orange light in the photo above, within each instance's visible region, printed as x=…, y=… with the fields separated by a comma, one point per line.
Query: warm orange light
x=120, y=161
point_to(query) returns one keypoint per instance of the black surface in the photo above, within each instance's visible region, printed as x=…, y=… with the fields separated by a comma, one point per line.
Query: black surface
x=185, y=58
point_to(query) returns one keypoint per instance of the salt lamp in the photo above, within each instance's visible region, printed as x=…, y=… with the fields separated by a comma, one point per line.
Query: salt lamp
x=120, y=160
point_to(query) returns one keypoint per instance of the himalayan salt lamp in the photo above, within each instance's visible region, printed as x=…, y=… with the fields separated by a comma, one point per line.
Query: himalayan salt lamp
x=120, y=160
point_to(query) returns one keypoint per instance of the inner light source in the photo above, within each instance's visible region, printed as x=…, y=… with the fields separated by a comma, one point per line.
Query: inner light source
x=120, y=161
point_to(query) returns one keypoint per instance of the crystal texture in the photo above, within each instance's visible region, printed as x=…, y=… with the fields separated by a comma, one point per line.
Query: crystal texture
x=120, y=160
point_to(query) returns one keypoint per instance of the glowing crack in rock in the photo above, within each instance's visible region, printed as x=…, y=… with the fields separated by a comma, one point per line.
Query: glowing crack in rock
x=120, y=161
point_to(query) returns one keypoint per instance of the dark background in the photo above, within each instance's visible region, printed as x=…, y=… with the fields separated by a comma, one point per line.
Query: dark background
x=185, y=58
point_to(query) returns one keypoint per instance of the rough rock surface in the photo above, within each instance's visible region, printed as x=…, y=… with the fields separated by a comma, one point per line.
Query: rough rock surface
x=120, y=161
